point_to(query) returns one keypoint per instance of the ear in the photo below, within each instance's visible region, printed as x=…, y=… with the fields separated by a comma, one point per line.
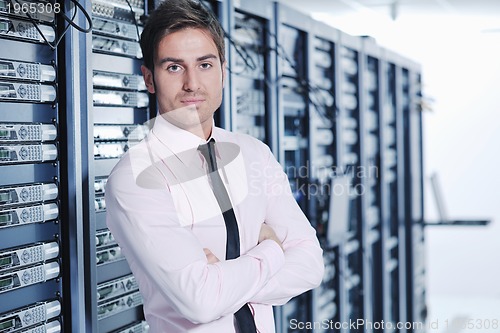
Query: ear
x=148, y=79
x=224, y=65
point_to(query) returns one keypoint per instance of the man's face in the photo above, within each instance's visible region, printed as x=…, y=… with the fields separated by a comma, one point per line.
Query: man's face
x=188, y=78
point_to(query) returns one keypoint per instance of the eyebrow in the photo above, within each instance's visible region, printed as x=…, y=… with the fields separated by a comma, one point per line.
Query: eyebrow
x=202, y=58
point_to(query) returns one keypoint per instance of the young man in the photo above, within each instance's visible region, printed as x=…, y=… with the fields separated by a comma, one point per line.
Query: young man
x=205, y=217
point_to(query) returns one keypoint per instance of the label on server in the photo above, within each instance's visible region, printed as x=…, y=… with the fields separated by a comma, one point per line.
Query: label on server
x=28, y=255
x=322, y=44
x=30, y=315
x=137, y=5
x=120, y=132
x=27, y=92
x=108, y=255
x=28, y=276
x=118, y=9
x=100, y=185
x=116, y=288
x=25, y=31
x=119, y=305
x=294, y=143
x=104, y=237
x=141, y=327
x=14, y=132
x=24, y=194
x=26, y=215
x=13, y=69
x=110, y=149
x=118, y=80
x=120, y=98
x=116, y=47
x=50, y=327
x=322, y=59
x=39, y=10
x=27, y=153
x=116, y=29
x=320, y=80
x=100, y=204
x=323, y=136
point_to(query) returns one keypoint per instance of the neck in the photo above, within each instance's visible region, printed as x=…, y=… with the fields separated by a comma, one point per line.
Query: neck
x=203, y=130
x=200, y=129
x=207, y=129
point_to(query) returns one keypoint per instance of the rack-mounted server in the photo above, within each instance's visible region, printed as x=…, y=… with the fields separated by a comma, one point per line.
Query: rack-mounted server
x=31, y=208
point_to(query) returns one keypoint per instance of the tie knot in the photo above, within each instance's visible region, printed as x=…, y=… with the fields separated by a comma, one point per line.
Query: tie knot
x=208, y=152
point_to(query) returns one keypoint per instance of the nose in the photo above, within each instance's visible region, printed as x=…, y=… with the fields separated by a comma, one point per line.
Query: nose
x=191, y=82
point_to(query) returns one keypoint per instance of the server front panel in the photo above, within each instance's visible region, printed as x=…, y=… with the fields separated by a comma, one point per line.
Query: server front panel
x=118, y=121
x=31, y=217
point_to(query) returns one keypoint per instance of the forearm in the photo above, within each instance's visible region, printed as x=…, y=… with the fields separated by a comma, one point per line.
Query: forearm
x=200, y=291
x=303, y=270
x=203, y=292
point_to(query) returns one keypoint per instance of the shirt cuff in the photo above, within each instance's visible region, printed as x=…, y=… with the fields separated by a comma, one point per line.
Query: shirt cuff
x=270, y=253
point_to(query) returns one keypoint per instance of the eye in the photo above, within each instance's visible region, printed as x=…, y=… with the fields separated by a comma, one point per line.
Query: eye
x=174, y=68
x=206, y=65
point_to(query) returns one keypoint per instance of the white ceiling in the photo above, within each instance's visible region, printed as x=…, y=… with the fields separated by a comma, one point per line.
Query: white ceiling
x=396, y=8
x=410, y=27
x=379, y=18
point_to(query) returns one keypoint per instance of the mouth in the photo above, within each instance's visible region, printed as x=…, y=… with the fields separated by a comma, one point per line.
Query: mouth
x=192, y=101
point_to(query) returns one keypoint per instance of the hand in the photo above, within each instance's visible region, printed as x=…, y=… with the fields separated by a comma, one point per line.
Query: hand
x=266, y=232
x=212, y=259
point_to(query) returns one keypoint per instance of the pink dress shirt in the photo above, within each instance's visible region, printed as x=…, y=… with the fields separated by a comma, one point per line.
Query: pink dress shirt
x=163, y=213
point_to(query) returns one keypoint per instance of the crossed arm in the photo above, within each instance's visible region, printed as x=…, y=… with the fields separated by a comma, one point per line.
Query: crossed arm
x=176, y=268
x=266, y=232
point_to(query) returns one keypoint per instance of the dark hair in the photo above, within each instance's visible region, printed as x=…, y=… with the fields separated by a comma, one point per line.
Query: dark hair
x=174, y=15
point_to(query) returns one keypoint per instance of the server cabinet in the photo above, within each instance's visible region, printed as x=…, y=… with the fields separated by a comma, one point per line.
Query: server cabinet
x=220, y=8
x=292, y=30
x=402, y=173
x=414, y=221
x=116, y=121
x=325, y=203
x=252, y=69
x=32, y=223
x=349, y=129
x=392, y=193
x=370, y=106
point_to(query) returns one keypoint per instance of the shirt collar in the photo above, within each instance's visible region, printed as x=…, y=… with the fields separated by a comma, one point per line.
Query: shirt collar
x=180, y=142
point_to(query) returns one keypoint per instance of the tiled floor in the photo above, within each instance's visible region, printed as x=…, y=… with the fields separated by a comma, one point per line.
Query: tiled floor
x=453, y=314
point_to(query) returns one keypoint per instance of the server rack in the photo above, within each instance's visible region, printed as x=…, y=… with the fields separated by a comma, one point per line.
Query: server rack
x=292, y=93
x=32, y=223
x=414, y=221
x=220, y=8
x=392, y=189
x=323, y=47
x=252, y=69
x=412, y=306
x=71, y=113
x=117, y=120
x=349, y=163
x=370, y=104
